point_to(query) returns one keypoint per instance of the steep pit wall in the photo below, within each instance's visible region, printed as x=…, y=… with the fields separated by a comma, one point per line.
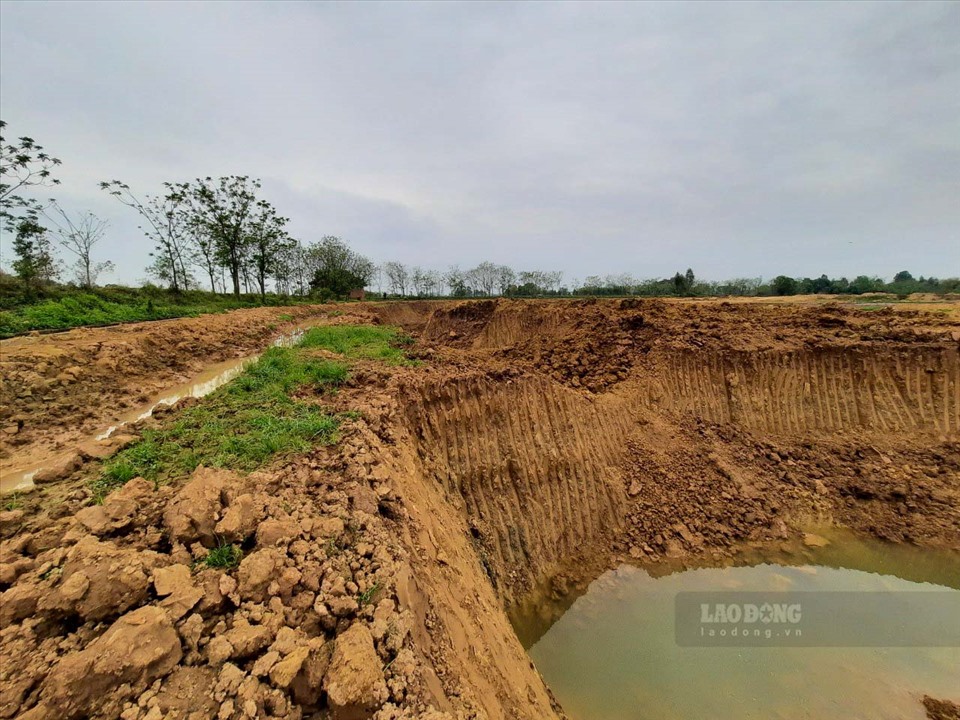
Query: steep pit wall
x=530, y=464
x=913, y=390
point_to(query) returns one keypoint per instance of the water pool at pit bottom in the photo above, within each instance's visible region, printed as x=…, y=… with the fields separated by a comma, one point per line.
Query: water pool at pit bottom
x=612, y=654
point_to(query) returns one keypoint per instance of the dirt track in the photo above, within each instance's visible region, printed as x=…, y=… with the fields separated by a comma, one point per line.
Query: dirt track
x=537, y=443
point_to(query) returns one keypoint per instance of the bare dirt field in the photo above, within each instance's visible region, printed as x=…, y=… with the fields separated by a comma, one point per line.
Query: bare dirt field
x=534, y=444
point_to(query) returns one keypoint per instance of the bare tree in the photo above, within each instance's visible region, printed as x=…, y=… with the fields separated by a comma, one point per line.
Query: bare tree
x=78, y=236
x=205, y=256
x=456, y=281
x=485, y=275
x=505, y=278
x=553, y=279
x=290, y=269
x=418, y=278
x=398, y=276
x=433, y=282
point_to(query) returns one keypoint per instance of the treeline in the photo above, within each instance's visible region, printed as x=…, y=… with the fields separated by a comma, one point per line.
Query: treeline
x=485, y=280
x=222, y=234
x=687, y=285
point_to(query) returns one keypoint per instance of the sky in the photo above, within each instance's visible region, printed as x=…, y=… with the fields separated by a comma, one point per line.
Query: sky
x=740, y=139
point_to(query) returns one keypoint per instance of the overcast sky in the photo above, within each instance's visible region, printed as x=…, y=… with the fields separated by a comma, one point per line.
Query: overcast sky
x=740, y=139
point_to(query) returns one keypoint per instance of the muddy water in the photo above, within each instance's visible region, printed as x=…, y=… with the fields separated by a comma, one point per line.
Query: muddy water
x=613, y=654
x=211, y=378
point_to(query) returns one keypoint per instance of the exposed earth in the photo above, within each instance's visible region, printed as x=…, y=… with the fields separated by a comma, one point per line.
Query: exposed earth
x=535, y=444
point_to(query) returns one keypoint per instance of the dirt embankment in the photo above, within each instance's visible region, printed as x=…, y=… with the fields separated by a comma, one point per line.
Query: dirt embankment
x=59, y=388
x=537, y=443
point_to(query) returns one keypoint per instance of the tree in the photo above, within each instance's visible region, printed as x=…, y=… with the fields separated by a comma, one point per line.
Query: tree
x=290, y=272
x=552, y=280
x=689, y=278
x=266, y=239
x=167, y=224
x=398, y=276
x=78, y=236
x=22, y=165
x=679, y=284
x=902, y=276
x=35, y=262
x=222, y=210
x=505, y=278
x=456, y=281
x=433, y=283
x=338, y=268
x=783, y=285
x=418, y=279
x=485, y=276
x=865, y=284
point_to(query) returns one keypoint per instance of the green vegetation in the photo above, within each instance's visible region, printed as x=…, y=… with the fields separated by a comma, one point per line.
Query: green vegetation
x=360, y=341
x=13, y=501
x=257, y=416
x=223, y=556
x=65, y=307
x=367, y=595
x=240, y=426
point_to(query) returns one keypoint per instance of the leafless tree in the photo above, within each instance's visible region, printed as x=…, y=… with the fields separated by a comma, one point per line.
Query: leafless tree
x=398, y=276
x=78, y=235
x=456, y=281
x=418, y=278
x=485, y=276
x=505, y=278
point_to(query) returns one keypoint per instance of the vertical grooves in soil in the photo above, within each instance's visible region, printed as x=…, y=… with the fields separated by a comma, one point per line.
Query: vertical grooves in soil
x=531, y=464
x=815, y=391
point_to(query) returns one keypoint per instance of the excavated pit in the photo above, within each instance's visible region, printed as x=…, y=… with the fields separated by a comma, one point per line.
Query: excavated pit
x=643, y=444
x=542, y=443
x=538, y=469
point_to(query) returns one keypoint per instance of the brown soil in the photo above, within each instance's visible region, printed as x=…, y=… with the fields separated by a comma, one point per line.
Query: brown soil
x=538, y=443
x=57, y=389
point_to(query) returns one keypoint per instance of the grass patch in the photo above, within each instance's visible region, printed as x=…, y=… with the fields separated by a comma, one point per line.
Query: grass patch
x=369, y=342
x=240, y=426
x=244, y=424
x=70, y=308
x=222, y=556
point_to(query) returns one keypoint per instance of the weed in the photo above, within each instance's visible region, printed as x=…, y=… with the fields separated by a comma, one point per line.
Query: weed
x=284, y=317
x=367, y=595
x=332, y=547
x=13, y=502
x=222, y=556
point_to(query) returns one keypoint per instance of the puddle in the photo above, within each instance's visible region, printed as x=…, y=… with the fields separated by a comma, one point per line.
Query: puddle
x=211, y=378
x=613, y=654
x=203, y=384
